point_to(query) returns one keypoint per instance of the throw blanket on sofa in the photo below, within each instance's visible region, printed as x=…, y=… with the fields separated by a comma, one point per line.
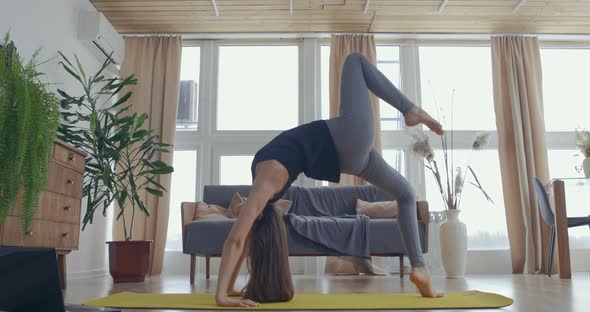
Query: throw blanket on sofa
x=348, y=235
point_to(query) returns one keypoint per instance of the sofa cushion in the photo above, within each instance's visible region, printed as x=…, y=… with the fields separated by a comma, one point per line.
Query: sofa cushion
x=377, y=210
x=204, y=211
x=235, y=204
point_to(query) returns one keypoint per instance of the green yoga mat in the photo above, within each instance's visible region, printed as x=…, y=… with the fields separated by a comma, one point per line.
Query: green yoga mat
x=454, y=300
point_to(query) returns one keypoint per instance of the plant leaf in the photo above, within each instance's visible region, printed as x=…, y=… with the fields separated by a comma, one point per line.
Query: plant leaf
x=154, y=192
x=122, y=100
x=478, y=185
x=71, y=72
x=152, y=181
x=162, y=170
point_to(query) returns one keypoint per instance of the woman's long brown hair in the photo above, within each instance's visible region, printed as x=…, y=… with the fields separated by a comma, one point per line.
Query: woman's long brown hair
x=268, y=260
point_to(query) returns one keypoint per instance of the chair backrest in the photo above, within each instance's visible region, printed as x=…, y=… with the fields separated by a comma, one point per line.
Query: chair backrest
x=543, y=201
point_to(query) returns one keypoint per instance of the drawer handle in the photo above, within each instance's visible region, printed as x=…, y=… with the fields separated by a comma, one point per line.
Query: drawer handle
x=70, y=181
x=65, y=235
x=71, y=156
x=67, y=208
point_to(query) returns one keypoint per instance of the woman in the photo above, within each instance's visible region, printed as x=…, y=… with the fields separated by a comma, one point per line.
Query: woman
x=322, y=150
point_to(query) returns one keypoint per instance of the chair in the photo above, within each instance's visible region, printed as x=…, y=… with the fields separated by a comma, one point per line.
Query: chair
x=549, y=218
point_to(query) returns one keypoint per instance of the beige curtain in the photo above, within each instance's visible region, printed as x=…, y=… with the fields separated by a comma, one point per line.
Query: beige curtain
x=518, y=101
x=155, y=62
x=340, y=47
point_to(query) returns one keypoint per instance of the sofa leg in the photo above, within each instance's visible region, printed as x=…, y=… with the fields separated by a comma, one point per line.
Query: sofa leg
x=192, y=272
x=207, y=262
x=401, y=266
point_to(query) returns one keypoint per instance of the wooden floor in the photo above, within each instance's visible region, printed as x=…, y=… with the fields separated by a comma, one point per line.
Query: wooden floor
x=530, y=292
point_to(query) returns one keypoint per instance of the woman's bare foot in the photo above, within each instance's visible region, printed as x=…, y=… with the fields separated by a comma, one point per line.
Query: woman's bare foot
x=421, y=278
x=418, y=116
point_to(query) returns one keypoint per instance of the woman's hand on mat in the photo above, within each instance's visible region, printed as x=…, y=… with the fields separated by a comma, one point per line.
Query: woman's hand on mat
x=234, y=293
x=234, y=302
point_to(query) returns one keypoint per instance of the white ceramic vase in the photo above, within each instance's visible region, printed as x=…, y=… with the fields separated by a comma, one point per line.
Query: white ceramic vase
x=453, y=244
x=586, y=166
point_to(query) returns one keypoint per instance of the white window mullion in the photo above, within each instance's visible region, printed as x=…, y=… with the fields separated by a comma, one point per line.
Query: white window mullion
x=309, y=86
x=310, y=79
x=207, y=113
x=410, y=81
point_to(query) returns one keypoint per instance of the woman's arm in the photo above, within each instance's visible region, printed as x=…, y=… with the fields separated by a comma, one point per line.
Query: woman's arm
x=271, y=176
x=232, y=291
x=235, y=244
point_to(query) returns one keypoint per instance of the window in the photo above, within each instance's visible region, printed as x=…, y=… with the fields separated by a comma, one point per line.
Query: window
x=486, y=222
x=258, y=88
x=255, y=94
x=187, y=116
x=235, y=170
x=468, y=71
x=456, y=88
x=396, y=159
x=566, y=73
x=388, y=63
x=182, y=189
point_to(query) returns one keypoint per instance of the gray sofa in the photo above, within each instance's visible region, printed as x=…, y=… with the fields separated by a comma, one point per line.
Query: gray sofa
x=206, y=237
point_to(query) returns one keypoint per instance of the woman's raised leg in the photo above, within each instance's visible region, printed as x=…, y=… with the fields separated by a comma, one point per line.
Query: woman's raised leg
x=383, y=176
x=353, y=131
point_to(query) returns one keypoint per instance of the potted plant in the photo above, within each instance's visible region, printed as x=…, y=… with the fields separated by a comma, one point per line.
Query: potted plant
x=583, y=143
x=29, y=117
x=122, y=162
x=450, y=182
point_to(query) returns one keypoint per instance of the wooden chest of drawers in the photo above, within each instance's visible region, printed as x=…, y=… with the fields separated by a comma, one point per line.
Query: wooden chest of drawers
x=57, y=222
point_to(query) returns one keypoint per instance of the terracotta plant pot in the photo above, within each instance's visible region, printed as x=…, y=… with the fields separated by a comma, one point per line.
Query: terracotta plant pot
x=129, y=261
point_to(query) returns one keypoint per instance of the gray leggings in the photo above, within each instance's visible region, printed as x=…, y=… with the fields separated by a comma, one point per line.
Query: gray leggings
x=353, y=133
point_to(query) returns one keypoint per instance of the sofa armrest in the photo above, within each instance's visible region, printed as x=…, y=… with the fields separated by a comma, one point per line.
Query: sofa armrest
x=188, y=212
x=424, y=216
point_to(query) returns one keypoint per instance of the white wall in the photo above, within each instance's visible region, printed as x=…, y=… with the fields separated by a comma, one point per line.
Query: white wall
x=52, y=26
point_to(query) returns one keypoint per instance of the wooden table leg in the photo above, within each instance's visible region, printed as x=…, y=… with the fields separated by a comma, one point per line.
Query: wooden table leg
x=192, y=270
x=61, y=265
x=563, y=245
x=207, y=265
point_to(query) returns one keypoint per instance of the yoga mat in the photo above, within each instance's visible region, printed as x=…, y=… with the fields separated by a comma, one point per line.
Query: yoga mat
x=454, y=300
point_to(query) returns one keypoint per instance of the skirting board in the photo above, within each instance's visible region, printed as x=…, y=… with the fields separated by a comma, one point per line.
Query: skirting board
x=87, y=274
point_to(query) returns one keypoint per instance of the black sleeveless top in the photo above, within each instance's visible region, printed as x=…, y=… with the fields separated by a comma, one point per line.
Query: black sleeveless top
x=308, y=148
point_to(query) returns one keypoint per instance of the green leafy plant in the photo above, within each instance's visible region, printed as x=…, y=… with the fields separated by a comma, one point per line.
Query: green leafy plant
x=122, y=160
x=29, y=117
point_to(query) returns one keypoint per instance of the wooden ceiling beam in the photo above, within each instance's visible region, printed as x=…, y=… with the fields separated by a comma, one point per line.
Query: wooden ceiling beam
x=272, y=16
